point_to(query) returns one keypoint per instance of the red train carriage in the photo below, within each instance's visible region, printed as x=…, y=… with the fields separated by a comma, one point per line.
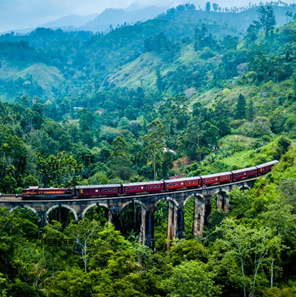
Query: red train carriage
x=216, y=178
x=177, y=183
x=47, y=193
x=266, y=167
x=210, y=179
x=225, y=177
x=31, y=191
x=244, y=173
x=97, y=190
x=133, y=188
x=154, y=186
x=193, y=182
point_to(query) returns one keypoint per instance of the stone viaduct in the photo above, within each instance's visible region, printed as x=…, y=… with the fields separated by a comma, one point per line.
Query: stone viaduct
x=115, y=205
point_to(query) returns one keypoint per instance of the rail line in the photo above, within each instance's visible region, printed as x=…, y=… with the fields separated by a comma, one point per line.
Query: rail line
x=6, y=198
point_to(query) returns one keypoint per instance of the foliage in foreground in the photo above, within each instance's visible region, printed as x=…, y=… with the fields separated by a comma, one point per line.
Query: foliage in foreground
x=249, y=251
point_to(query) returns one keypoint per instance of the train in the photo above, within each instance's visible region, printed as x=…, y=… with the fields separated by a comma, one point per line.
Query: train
x=166, y=185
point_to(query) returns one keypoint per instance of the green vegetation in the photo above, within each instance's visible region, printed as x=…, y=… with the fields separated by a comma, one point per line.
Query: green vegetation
x=180, y=94
x=248, y=251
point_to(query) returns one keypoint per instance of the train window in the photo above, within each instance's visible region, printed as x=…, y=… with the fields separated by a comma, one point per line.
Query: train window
x=97, y=191
x=137, y=188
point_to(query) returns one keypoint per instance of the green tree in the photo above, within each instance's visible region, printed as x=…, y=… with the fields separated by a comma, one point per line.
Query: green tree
x=84, y=233
x=86, y=119
x=241, y=107
x=159, y=81
x=250, y=111
x=215, y=6
x=154, y=143
x=120, y=160
x=30, y=180
x=267, y=19
x=237, y=252
x=191, y=279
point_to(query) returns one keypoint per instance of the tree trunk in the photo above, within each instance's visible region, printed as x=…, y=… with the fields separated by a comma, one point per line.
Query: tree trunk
x=271, y=276
x=243, y=273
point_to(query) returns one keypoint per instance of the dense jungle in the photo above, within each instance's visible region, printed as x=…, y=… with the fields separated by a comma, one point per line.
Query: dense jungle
x=193, y=91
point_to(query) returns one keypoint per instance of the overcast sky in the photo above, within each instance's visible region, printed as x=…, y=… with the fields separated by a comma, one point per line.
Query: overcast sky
x=18, y=14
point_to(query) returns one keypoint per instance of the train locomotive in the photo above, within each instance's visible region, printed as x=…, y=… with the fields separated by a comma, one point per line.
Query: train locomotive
x=98, y=191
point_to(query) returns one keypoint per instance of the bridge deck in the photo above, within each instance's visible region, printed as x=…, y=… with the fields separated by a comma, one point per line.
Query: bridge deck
x=10, y=199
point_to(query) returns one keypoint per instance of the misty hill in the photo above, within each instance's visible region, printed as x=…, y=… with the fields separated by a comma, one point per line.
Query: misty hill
x=117, y=17
x=84, y=62
x=70, y=21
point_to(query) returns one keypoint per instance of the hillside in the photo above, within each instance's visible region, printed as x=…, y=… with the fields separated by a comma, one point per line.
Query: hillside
x=91, y=61
x=194, y=88
x=188, y=93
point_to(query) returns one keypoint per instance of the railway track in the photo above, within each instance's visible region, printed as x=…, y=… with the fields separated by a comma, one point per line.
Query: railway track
x=13, y=198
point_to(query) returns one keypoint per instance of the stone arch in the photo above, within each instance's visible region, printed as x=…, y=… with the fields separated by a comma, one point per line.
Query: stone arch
x=91, y=206
x=221, y=190
x=195, y=196
x=62, y=205
x=136, y=201
x=25, y=206
x=225, y=191
x=244, y=187
x=169, y=199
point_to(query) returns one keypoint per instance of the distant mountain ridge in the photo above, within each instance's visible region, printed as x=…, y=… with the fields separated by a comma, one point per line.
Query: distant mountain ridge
x=117, y=17
x=101, y=22
x=70, y=20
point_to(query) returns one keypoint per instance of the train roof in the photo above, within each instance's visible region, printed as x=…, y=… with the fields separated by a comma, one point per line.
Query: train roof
x=216, y=174
x=98, y=186
x=143, y=183
x=268, y=163
x=192, y=178
x=175, y=180
x=244, y=170
x=54, y=189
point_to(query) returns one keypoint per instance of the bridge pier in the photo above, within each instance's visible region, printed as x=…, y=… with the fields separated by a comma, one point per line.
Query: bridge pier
x=226, y=204
x=199, y=216
x=149, y=232
x=219, y=202
x=172, y=224
x=114, y=213
x=180, y=223
x=142, y=235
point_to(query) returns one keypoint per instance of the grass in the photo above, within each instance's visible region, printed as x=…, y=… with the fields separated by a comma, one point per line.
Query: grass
x=136, y=73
